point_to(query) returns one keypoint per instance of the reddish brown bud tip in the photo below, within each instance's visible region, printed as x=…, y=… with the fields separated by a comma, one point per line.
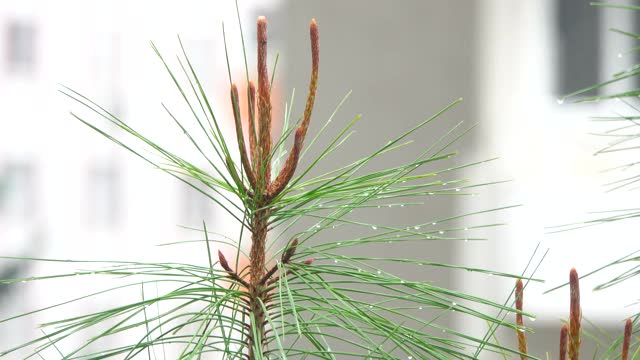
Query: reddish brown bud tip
x=522, y=338
x=628, y=327
x=309, y=261
x=253, y=144
x=223, y=261
x=315, y=40
x=574, y=289
x=575, y=316
x=263, y=80
x=235, y=106
x=290, y=251
x=564, y=331
x=573, y=276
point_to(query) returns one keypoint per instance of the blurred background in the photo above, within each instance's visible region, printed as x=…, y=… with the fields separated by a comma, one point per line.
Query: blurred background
x=68, y=193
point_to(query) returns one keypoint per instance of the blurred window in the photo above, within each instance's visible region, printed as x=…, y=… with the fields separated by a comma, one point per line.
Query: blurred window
x=196, y=206
x=579, y=48
x=103, y=195
x=17, y=191
x=21, y=47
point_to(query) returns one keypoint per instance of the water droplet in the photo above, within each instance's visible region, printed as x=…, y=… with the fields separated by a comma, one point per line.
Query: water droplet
x=359, y=270
x=370, y=306
x=338, y=243
x=379, y=272
x=444, y=184
x=378, y=206
x=453, y=304
x=318, y=225
x=532, y=319
x=419, y=307
x=410, y=357
x=374, y=227
x=619, y=55
x=24, y=281
x=401, y=281
x=335, y=261
x=430, y=193
x=466, y=229
x=366, y=194
x=440, y=232
x=521, y=330
x=457, y=189
x=560, y=101
x=390, y=242
x=401, y=205
x=319, y=205
x=434, y=223
x=466, y=240
x=416, y=227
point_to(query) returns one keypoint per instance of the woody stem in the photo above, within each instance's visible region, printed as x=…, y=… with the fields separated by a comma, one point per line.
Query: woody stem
x=257, y=293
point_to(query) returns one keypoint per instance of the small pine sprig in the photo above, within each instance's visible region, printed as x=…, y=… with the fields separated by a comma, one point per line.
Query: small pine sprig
x=263, y=191
x=575, y=316
x=522, y=337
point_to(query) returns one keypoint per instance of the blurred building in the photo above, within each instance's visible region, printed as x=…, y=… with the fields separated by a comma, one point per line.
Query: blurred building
x=65, y=191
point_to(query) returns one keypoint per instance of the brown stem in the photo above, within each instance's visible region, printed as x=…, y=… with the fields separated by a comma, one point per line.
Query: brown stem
x=235, y=103
x=232, y=274
x=264, y=191
x=289, y=272
x=522, y=338
x=286, y=256
x=575, y=316
x=253, y=144
x=256, y=290
x=313, y=83
x=289, y=167
x=264, y=104
x=628, y=327
x=291, y=163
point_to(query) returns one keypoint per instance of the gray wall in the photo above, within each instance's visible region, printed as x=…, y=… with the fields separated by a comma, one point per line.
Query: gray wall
x=401, y=69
